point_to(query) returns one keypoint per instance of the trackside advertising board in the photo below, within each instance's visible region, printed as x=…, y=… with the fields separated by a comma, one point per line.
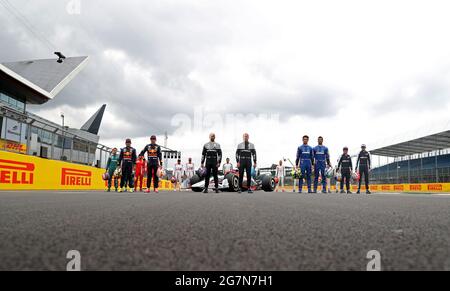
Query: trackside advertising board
x=398, y=188
x=22, y=172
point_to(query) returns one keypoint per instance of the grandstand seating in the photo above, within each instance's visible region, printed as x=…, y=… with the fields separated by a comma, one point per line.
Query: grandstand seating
x=425, y=170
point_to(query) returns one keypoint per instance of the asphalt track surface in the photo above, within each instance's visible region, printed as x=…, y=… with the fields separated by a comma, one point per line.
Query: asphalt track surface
x=226, y=232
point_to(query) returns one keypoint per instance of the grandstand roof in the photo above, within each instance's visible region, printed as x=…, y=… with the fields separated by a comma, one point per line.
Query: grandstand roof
x=429, y=143
x=39, y=80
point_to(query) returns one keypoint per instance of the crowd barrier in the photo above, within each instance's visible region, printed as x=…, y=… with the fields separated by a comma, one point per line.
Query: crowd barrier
x=22, y=172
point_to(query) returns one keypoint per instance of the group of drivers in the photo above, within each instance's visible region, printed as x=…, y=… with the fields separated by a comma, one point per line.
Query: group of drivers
x=132, y=168
x=317, y=160
x=309, y=160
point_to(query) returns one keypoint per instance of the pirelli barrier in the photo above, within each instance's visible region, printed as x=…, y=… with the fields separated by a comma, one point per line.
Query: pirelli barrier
x=399, y=188
x=22, y=172
x=412, y=188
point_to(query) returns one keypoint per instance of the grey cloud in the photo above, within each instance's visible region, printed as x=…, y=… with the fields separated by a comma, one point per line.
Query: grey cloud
x=170, y=39
x=431, y=92
x=306, y=101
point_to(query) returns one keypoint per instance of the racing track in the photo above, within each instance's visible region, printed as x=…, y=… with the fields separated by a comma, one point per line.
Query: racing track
x=192, y=231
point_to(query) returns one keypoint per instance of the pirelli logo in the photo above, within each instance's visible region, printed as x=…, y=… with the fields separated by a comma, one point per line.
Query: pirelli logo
x=415, y=187
x=399, y=188
x=16, y=173
x=73, y=177
x=435, y=187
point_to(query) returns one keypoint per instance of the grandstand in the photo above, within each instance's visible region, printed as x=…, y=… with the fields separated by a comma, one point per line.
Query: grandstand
x=36, y=82
x=420, y=160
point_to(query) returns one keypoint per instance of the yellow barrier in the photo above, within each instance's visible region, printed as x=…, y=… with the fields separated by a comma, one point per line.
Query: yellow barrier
x=22, y=172
x=398, y=188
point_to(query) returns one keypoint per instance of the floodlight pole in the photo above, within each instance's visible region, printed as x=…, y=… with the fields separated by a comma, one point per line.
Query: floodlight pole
x=166, y=137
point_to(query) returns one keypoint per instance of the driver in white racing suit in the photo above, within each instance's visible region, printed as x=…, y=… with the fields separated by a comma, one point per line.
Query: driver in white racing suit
x=190, y=171
x=280, y=173
x=178, y=174
x=227, y=167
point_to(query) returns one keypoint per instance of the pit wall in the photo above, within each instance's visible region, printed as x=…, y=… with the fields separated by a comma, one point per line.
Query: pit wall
x=22, y=172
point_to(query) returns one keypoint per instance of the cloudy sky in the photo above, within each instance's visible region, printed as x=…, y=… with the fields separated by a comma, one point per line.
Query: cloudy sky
x=353, y=71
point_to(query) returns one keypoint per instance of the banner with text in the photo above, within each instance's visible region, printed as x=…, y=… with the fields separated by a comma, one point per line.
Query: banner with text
x=22, y=172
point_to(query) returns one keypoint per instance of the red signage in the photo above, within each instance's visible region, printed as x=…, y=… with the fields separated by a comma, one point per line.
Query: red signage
x=73, y=177
x=415, y=187
x=399, y=188
x=435, y=187
x=12, y=172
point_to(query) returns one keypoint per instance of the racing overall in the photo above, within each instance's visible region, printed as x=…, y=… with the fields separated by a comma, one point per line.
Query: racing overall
x=190, y=172
x=211, y=157
x=154, y=157
x=364, y=166
x=227, y=168
x=322, y=159
x=280, y=175
x=305, y=158
x=178, y=172
x=111, y=166
x=127, y=159
x=244, y=154
x=140, y=169
x=346, y=166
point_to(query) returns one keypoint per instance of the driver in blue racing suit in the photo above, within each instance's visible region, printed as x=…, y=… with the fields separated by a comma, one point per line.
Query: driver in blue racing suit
x=305, y=161
x=322, y=160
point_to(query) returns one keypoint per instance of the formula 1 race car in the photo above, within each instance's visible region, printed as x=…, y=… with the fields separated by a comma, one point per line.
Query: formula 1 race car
x=230, y=182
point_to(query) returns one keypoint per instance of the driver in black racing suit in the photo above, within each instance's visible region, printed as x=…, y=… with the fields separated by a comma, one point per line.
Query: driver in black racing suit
x=154, y=156
x=363, y=165
x=244, y=154
x=211, y=159
x=127, y=160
